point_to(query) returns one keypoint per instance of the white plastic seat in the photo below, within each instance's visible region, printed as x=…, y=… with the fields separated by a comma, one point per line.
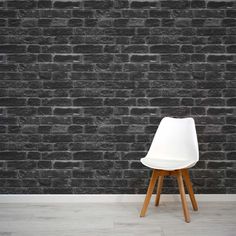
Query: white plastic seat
x=174, y=145
x=162, y=164
x=174, y=149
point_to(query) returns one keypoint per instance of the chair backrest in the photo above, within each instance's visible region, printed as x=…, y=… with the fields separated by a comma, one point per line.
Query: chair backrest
x=175, y=139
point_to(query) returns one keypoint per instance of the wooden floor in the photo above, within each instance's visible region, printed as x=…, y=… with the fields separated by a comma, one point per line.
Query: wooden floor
x=116, y=219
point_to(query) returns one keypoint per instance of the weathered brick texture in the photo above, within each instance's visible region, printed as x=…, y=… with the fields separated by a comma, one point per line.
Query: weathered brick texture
x=84, y=85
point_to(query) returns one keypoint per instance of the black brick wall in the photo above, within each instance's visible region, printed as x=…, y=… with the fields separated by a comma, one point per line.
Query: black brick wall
x=84, y=85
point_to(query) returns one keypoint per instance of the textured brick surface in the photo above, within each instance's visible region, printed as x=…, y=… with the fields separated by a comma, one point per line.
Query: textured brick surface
x=84, y=85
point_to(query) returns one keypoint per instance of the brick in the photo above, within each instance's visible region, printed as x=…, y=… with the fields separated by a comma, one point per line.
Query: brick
x=75, y=22
x=87, y=102
x=175, y=4
x=8, y=174
x=134, y=49
x=83, y=13
x=231, y=49
x=98, y=111
x=231, y=67
x=120, y=4
x=66, y=58
x=24, y=165
x=101, y=165
x=228, y=129
x=164, y=49
x=219, y=111
x=66, y=4
x=66, y=111
x=57, y=31
x=57, y=84
x=44, y=4
x=23, y=111
x=219, y=4
x=198, y=4
x=83, y=120
x=81, y=174
x=33, y=49
x=105, y=58
x=144, y=58
x=219, y=58
x=230, y=120
x=11, y=155
x=152, y=22
x=136, y=22
x=44, y=57
x=75, y=129
x=143, y=4
x=57, y=49
x=21, y=4
x=25, y=58
x=187, y=49
x=230, y=173
x=88, y=156
x=66, y=165
x=61, y=155
x=90, y=22
x=8, y=13
x=230, y=13
x=211, y=31
x=98, y=4
x=135, y=174
x=121, y=22
x=12, y=48
x=83, y=67
x=231, y=102
x=55, y=173
x=175, y=58
x=9, y=67
x=231, y=155
x=210, y=49
x=57, y=102
x=88, y=49
x=120, y=31
x=159, y=13
x=159, y=67
x=229, y=22
x=164, y=102
x=143, y=111
x=57, y=138
x=210, y=102
x=12, y=101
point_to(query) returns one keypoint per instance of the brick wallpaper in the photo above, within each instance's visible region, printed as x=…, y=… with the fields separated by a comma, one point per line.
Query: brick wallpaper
x=84, y=85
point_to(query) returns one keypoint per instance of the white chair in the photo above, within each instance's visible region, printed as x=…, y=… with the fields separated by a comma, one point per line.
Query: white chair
x=174, y=149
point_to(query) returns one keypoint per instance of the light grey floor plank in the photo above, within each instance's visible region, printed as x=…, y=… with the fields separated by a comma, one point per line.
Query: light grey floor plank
x=116, y=219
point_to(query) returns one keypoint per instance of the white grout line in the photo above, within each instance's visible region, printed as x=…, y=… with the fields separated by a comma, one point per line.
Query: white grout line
x=105, y=198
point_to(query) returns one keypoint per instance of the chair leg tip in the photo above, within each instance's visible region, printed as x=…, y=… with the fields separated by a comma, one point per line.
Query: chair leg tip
x=187, y=219
x=142, y=214
x=195, y=207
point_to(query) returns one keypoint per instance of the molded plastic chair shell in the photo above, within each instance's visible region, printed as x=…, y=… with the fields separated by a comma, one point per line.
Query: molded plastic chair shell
x=174, y=145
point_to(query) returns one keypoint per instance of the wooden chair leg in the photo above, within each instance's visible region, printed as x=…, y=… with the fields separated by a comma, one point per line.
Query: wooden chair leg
x=159, y=188
x=190, y=189
x=149, y=192
x=183, y=198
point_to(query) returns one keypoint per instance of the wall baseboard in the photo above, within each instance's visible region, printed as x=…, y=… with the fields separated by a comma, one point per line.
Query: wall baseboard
x=106, y=198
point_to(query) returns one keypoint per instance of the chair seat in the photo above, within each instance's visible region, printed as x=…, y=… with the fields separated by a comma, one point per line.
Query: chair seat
x=167, y=164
